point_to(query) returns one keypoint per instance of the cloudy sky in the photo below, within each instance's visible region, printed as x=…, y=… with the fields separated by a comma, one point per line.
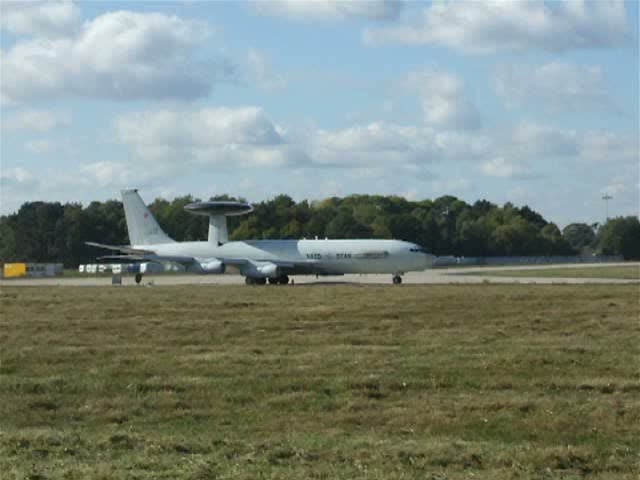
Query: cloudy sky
x=525, y=101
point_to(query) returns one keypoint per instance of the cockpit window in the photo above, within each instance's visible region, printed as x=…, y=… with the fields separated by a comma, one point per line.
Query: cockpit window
x=419, y=249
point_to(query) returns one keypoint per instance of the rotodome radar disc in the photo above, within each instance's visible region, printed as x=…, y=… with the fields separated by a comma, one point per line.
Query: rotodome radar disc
x=221, y=207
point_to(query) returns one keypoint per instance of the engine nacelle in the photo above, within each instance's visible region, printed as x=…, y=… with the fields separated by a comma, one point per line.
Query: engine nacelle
x=212, y=267
x=269, y=270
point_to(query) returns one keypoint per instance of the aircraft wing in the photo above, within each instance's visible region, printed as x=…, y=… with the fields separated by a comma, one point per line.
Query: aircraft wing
x=288, y=267
x=239, y=262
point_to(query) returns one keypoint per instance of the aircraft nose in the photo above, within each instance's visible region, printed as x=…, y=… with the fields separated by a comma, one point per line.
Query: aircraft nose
x=428, y=260
x=423, y=259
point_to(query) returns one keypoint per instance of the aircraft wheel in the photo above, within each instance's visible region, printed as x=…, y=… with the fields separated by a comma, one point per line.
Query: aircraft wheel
x=249, y=280
x=397, y=279
x=273, y=281
x=261, y=281
x=138, y=278
x=283, y=280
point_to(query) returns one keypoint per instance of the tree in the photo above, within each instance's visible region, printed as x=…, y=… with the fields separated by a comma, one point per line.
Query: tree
x=403, y=227
x=579, y=235
x=620, y=236
x=379, y=228
x=472, y=238
x=7, y=238
x=246, y=229
x=517, y=237
x=532, y=216
x=556, y=244
x=293, y=230
x=36, y=231
x=344, y=225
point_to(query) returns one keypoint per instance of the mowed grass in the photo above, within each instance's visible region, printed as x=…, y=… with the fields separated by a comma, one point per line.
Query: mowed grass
x=630, y=272
x=342, y=381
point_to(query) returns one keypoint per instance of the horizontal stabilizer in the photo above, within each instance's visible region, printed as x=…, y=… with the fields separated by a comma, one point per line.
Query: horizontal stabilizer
x=120, y=248
x=131, y=258
x=140, y=255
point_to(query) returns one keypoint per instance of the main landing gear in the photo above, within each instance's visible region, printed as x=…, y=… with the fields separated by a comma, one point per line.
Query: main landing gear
x=283, y=280
x=138, y=278
x=397, y=279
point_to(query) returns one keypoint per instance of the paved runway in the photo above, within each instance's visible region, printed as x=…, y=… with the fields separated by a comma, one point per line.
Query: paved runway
x=436, y=276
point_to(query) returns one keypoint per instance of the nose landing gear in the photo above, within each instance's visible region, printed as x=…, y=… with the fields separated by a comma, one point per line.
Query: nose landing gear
x=397, y=279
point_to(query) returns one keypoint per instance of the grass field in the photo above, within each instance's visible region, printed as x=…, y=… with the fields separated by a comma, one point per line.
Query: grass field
x=435, y=382
x=623, y=272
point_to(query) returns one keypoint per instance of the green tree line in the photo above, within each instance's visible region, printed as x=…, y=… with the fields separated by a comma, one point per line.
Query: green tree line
x=50, y=231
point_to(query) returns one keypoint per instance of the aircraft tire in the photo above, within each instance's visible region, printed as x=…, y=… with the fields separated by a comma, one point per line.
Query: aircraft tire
x=138, y=278
x=397, y=279
x=261, y=281
x=283, y=280
x=249, y=280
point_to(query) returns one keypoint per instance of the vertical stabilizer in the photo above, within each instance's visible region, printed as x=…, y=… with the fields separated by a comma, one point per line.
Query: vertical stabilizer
x=142, y=226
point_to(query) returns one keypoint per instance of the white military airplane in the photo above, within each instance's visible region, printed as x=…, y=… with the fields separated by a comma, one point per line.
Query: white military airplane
x=258, y=260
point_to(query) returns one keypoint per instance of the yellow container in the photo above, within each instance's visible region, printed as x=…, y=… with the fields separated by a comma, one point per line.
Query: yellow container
x=15, y=270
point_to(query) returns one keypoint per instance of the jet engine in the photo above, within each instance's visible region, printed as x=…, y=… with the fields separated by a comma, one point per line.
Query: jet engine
x=269, y=270
x=212, y=267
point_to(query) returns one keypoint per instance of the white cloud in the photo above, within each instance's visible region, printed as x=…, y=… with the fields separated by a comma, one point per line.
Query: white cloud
x=512, y=25
x=119, y=55
x=36, y=120
x=615, y=186
x=168, y=141
x=45, y=146
x=559, y=86
x=451, y=186
x=109, y=174
x=610, y=147
x=532, y=143
x=499, y=167
x=202, y=128
x=444, y=102
x=261, y=71
x=17, y=176
x=531, y=139
x=45, y=18
x=373, y=137
x=228, y=137
x=392, y=146
x=519, y=194
x=39, y=146
x=331, y=9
